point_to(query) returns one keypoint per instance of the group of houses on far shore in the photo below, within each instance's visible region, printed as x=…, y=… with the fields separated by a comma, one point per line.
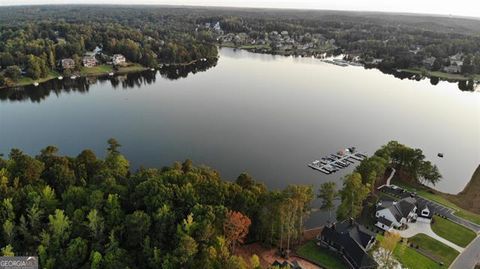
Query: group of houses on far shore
x=90, y=60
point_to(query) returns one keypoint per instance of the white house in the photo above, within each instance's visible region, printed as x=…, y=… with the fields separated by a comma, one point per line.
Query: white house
x=118, y=59
x=393, y=214
x=424, y=213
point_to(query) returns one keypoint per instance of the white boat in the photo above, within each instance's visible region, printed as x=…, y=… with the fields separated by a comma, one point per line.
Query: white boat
x=60, y=78
x=110, y=74
x=152, y=69
x=73, y=77
x=35, y=84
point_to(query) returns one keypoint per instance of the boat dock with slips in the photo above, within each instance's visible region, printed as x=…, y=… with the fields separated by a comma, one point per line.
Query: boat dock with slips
x=335, y=162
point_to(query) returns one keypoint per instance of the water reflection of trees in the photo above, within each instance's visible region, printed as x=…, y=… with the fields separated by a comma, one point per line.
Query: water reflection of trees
x=174, y=72
x=462, y=84
x=82, y=85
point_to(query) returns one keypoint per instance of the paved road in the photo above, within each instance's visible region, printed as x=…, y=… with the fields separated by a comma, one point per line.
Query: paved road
x=391, y=176
x=469, y=257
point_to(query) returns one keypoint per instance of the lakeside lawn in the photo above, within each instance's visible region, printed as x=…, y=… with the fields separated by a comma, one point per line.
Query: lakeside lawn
x=96, y=70
x=322, y=256
x=453, y=232
x=440, y=74
x=412, y=259
x=131, y=68
x=24, y=81
x=436, y=248
x=460, y=212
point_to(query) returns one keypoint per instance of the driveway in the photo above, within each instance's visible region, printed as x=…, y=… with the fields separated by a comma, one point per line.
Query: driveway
x=468, y=258
x=424, y=228
x=448, y=212
x=437, y=208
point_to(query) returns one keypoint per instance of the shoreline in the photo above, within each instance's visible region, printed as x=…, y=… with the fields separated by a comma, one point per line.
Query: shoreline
x=441, y=75
x=97, y=71
x=415, y=71
x=86, y=72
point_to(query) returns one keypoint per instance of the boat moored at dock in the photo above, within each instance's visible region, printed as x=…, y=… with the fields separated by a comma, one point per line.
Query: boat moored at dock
x=334, y=162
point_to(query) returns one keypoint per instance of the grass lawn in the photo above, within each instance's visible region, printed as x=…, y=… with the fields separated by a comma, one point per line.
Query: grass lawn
x=23, y=81
x=453, y=232
x=475, y=218
x=443, y=252
x=131, y=68
x=412, y=259
x=321, y=256
x=462, y=213
x=96, y=70
x=439, y=74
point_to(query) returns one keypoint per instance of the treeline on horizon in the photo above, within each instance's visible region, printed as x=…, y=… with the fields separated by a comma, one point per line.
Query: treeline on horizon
x=34, y=39
x=86, y=212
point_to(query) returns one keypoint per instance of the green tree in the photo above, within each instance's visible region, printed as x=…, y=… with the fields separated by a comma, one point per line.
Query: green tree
x=352, y=194
x=137, y=226
x=327, y=194
x=13, y=72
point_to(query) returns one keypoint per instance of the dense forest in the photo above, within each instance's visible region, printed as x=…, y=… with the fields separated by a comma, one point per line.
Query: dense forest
x=86, y=212
x=34, y=40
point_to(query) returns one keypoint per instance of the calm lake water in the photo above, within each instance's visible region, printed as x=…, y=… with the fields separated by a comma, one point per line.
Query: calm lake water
x=268, y=115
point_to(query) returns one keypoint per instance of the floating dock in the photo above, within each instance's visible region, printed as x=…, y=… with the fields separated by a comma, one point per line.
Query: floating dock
x=334, y=162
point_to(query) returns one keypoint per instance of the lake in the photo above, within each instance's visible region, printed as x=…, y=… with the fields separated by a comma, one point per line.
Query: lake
x=268, y=115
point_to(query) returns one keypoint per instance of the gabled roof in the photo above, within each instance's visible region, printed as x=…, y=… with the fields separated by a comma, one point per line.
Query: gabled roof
x=353, y=240
x=401, y=209
x=285, y=264
x=385, y=221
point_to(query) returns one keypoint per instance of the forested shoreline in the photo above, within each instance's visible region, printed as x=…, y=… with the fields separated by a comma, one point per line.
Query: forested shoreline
x=35, y=40
x=86, y=212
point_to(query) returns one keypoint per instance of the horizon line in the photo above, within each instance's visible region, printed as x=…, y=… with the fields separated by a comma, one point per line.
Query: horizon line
x=250, y=7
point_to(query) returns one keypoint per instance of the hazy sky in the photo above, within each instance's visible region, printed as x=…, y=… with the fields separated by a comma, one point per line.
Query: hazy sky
x=458, y=7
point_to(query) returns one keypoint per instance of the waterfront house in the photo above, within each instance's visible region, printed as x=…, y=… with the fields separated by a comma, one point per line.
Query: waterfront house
x=393, y=214
x=286, y=264
x=89, y=61
x=453, y=69
x=118, y=59
x=68, y=63
x=429, y=62
x=352, y=241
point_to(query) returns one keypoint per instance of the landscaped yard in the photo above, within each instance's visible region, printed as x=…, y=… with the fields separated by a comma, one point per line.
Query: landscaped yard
x=321, y=256
x=440, y=74
x=441, y=251
x=23, y=81
x=453, y=232
x=96, y=70
x=412, y=259
x=131, y=68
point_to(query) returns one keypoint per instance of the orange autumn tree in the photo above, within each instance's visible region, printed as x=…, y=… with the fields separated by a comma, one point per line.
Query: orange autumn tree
x=235, y=228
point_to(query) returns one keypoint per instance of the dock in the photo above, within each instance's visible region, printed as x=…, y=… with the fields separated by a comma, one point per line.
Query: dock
x=335, y=162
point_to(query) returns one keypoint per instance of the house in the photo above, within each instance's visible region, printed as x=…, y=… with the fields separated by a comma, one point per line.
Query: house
x=424, y=213
x=286, y=264
x=89, y=61
x=393, y=214
x=118, y=59
x=352, y=241
x=428, y=62
x=68, y=63
x=453, y=69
